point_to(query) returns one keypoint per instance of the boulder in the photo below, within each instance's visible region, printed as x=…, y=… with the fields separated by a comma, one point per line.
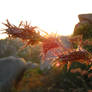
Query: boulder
x=11, y=69
x=31, y=65
x=85, y=17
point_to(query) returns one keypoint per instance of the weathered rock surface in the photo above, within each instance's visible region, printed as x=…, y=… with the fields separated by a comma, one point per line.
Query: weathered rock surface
x=11, y=69
x=31, y=65
x=85, y=17
x=84, y=26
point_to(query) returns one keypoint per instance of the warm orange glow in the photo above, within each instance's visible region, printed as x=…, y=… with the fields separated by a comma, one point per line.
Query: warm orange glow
x=58, y=64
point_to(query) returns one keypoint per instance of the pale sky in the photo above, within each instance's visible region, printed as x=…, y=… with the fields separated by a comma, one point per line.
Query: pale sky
x=50, y=15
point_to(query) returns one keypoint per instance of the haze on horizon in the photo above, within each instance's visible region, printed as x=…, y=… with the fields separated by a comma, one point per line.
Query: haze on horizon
x=58, y=16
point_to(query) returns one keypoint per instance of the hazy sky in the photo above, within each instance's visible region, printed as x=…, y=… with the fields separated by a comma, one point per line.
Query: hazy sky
x=51, y=15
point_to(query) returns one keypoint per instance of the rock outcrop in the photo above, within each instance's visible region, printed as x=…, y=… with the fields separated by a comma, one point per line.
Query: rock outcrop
x=11, y=69
x=84, y=26
x=31, y=65
x=85, y=17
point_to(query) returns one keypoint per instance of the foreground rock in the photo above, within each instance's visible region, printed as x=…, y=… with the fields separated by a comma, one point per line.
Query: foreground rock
x=31, y=65
x=11, y=69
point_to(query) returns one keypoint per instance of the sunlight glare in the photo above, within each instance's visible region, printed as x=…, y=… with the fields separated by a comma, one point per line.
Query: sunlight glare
x=58, y=16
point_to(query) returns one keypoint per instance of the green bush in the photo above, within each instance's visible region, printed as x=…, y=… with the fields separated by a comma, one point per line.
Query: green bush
x=57, y=80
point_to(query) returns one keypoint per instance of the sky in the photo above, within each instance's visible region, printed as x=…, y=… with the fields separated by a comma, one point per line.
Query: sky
x=58, y=16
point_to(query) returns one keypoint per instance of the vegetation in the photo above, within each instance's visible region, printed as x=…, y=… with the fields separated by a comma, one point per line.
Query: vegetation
x=77, y=79
x=84, y=29
x=61, y=77
x=11, y=47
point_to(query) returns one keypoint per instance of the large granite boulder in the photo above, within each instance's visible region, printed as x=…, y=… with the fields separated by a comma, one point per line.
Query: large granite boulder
x=11, y=69
x=85, y=18
x=84, y=26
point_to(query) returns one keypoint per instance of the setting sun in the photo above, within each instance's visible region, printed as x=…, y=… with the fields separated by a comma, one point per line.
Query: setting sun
x=58, y=16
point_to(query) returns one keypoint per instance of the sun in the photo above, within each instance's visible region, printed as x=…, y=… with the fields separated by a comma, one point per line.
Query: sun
x=58, y=27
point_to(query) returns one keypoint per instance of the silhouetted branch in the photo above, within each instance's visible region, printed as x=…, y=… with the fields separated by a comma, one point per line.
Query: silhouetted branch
x=24, y=31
